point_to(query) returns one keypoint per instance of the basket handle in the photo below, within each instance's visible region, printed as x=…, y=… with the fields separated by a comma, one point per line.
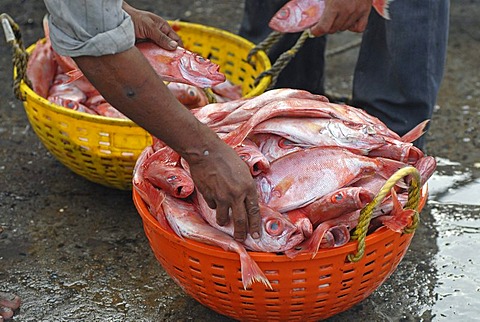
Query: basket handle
x=366, y=213
x=13, y=36
x=282, y=61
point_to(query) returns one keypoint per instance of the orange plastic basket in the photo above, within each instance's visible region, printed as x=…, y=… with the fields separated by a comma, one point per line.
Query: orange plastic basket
x=304, y=289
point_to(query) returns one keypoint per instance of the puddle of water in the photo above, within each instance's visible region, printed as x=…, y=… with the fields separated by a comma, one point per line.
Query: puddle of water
x=451, y=184
x=457, y=262
x=454, y=200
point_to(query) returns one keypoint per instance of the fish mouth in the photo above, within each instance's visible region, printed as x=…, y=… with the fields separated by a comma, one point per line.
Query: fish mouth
x=295, y=239
x=214, y=70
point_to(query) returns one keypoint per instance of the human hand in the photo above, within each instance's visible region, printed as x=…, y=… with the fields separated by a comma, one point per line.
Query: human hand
x=226, y=184
x=341, y=15
x=150, y=26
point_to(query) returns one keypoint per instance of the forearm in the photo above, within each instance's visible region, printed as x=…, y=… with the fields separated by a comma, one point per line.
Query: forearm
x=128, y=82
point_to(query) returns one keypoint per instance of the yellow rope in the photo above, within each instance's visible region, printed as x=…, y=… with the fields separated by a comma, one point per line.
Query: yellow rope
x=210, y=96
x=20, y=56
x=366, y=213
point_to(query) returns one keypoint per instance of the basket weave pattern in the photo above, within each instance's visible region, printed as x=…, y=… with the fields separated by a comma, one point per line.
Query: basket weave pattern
x=104, y=150
x=303, y=288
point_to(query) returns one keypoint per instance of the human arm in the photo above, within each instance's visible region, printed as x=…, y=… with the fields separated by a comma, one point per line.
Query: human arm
x=128, y=82
x=341, y=15
x=102, y=47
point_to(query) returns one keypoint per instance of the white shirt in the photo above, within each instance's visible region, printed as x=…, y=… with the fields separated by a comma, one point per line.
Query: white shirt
x=89, y=27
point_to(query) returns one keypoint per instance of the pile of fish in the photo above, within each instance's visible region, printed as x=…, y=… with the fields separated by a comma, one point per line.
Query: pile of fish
x=316, y=165
x=58, y=79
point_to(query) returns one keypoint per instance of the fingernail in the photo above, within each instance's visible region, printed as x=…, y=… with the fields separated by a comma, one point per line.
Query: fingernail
x=256, y=235
x=173, y=44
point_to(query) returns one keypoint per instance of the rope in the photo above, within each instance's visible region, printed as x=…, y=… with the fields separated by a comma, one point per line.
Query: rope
x=210, y=96
x=265, y=45
x=344, y=48
x=366, y=213
x=287, y=56
x=282, y=61
x=20, y=56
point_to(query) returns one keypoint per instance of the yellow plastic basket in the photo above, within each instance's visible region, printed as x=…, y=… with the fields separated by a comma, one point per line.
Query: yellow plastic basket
x=104, y=150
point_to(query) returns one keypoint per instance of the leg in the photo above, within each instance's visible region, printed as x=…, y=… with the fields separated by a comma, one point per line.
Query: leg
x=306, y=69
x=401, y=62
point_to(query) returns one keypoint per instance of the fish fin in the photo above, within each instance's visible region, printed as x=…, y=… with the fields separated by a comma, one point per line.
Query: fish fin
x=416, y=132
x=251, y=272
x=389, y=166
x=398, y=222
x=216, y=117
x=74, y=75
x=399, y=218
x=310, y=245
x=382, y=7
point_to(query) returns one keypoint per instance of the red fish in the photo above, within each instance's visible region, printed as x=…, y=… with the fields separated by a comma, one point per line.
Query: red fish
x=190, y=96
x=41, y=68
x=166, y=175
x=337, y=203
x=152, y=196
x=253, y=157
x=322, y=132
x=73, y=105
x=301, y=177
x=187, y=222
x=181, y=65
x=278, y=233
x=299, y=15
x=228, y=90
x=106, y=109
x=274, y=146
x=63, y=89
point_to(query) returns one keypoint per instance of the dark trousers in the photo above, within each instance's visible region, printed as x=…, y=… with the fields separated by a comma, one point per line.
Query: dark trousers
x=400, y=65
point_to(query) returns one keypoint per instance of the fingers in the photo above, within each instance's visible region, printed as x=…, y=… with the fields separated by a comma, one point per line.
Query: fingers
x=360, y=25
x=341, y=16
x=163, y=35
x=323, y=27
x=222, y=215
x=253, y=213
x=169, y=32
x=240, y=221
x=150, y=26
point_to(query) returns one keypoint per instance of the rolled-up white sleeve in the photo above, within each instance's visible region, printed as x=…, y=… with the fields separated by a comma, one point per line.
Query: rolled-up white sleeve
x=89, y=27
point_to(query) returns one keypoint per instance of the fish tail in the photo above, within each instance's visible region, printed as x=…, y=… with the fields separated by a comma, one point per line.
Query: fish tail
x=416, y=132
x=399, y=218
x=382, y=7
x=251, y=272
x=398, y=222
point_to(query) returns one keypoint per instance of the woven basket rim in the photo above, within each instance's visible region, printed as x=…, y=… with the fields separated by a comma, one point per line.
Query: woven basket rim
x=30, y=94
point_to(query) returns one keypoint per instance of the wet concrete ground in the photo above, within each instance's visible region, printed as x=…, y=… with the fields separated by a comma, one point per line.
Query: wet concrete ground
x=76, y=251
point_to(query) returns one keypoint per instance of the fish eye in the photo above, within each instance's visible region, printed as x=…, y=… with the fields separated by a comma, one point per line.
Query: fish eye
x=200, y=59
x=283, y=14
x=191, y=92
x=337, y=197
x=274, y=227
x=244, y=156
